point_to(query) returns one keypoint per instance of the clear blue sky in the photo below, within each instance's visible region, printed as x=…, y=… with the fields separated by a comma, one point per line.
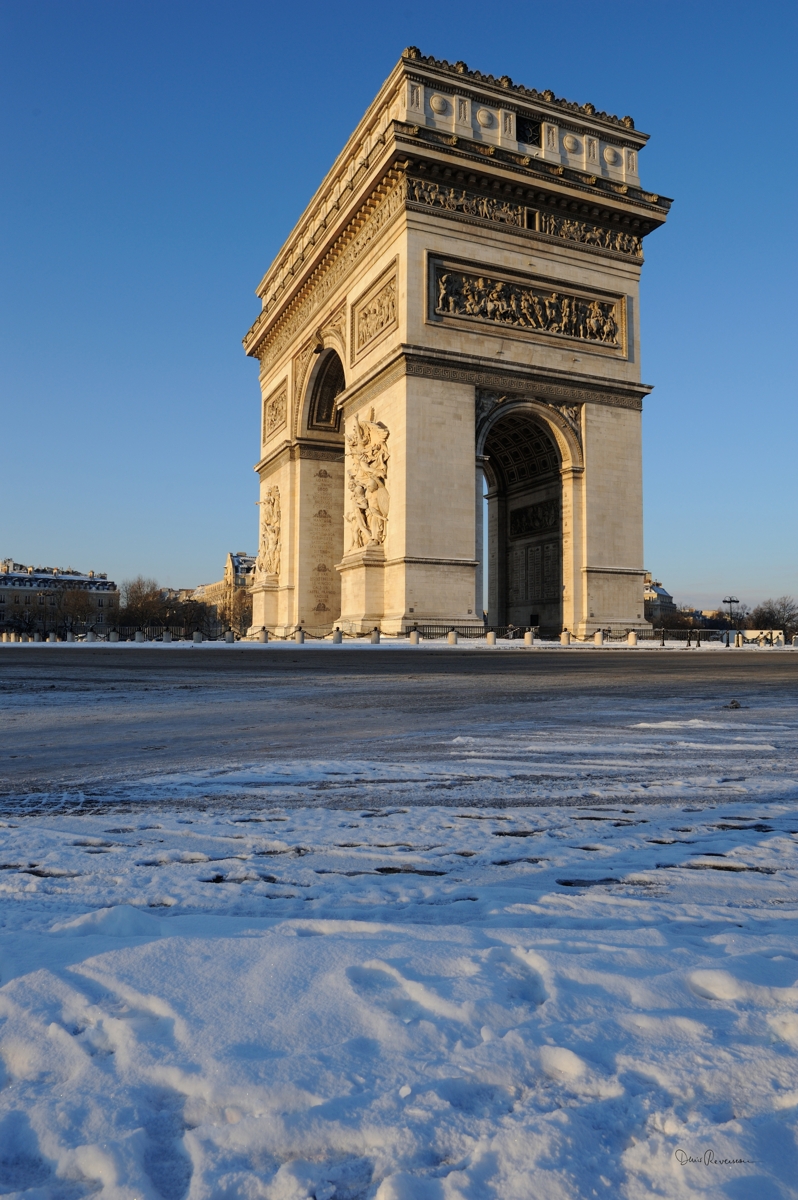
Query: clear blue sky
x=155, y=156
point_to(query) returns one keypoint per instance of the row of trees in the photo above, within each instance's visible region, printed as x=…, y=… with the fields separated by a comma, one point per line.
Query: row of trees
x=779, y=613
x=145, y=602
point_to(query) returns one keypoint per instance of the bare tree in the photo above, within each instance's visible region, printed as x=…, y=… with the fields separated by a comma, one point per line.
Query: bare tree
x=143, y=602
x=236, y=610
x=781, y=613
x=23, y=618
x=74, y=608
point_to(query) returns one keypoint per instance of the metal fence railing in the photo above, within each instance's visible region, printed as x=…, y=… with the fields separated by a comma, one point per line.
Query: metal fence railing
x=441, y=630
x=218, y=630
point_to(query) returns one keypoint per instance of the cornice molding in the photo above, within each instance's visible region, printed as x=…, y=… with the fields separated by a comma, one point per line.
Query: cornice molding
x=280, y=455
x=560, y=387
x=268, y=341
x=414, y=137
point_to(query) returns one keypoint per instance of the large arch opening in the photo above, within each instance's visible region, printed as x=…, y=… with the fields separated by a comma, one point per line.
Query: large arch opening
x=523, y=471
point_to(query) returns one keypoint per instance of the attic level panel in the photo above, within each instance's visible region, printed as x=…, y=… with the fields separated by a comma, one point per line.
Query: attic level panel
x=503, y=92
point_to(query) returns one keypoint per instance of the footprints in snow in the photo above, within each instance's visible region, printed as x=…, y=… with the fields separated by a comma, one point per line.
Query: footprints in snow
x=511, y=990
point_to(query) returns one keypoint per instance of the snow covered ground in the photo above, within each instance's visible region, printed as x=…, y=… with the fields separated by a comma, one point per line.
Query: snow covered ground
x=552, y=957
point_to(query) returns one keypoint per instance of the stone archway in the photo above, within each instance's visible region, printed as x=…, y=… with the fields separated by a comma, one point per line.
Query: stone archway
x=327, y=382
x=523, y=467
x=530, y=454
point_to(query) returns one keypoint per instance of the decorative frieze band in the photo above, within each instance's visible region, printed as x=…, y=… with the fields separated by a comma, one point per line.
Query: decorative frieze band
x=472, y=204
x=586, y=232
x=531, y=306
x=447, y=199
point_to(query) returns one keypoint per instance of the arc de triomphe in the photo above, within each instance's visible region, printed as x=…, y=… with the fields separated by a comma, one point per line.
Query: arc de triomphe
x=457, y=312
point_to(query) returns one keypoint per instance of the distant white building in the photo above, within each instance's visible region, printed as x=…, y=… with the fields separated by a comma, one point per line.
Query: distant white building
x=49, y=596
x=658, y=603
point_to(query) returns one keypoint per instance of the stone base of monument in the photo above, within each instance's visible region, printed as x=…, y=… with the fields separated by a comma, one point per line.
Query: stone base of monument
x=362, y=589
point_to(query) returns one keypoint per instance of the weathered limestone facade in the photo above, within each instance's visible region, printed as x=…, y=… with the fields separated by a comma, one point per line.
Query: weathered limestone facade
x=458, y=305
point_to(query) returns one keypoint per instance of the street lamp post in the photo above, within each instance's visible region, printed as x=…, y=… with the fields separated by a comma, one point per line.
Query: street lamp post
x=731, y=601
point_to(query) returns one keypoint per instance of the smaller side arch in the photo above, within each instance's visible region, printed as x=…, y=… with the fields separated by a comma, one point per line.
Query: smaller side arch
x=326, y=382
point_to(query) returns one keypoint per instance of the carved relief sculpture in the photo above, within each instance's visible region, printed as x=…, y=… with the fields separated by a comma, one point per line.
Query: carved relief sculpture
x=269, y=549
x=376, y=314
x=423, y=191
x=534, y=518
x=274, y=411
x=367, y=474
x=336, y=325
x=488, y=208
x=590, y=234
x=499, y=302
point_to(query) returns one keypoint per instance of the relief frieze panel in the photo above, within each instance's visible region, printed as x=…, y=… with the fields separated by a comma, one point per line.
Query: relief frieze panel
x=586, y=232
x=535, y=518
x=451, y=199
x=275, y=409
x=375, y=313
x=432, y=194
x=525, y=307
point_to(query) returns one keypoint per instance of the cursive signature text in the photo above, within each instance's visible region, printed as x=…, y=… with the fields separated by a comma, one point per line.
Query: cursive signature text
x=708, y=1159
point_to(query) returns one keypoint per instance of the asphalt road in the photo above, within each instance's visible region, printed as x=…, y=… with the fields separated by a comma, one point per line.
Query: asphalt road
x=88, y=716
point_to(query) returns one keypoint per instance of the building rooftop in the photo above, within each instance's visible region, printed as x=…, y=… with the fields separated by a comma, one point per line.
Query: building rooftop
x=413, y=54
x=21, y=575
